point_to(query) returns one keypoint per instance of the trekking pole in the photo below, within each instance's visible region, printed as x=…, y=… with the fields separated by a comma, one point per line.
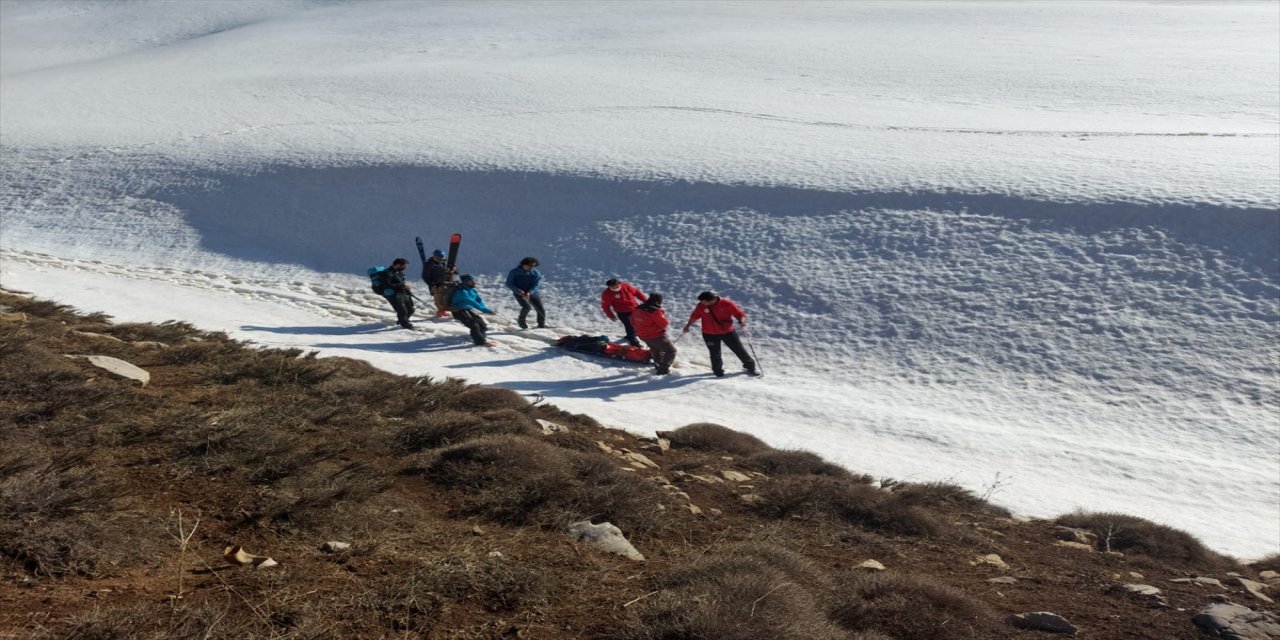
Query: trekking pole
x=751, y=345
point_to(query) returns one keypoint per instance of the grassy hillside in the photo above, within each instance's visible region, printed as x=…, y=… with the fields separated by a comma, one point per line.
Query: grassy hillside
x=119, y=503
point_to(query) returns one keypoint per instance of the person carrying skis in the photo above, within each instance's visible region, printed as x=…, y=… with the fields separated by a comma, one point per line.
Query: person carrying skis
x=651, y=325
x=438, y=275
x=717, y=315
x=398, y=292
x=467, y=306
x=523, y=281
x=618, y=300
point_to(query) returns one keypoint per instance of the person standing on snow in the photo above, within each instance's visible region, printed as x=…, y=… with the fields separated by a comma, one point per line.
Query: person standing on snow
x=651, y=325
x=524, y=281
x=398, y=292
x=618, y=300
x=438, y=276
x=717, y=315
x=467, y=307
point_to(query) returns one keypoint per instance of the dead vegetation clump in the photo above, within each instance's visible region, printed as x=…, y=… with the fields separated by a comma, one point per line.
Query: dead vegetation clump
x=939, y=494
x=793, y=462
x=706, y=436
x=908, y=607
x=847, y=500
x=1131, y=534
x=744, y=592
x=518, y=480
x=449, y=427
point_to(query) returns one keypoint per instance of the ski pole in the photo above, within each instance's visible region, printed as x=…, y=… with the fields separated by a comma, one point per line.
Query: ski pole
x=751, y=345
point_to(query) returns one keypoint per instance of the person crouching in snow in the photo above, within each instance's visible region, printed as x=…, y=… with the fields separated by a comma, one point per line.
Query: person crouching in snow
x=717, y=315
x=651, y=325
x=467, y=306
x=618, y=300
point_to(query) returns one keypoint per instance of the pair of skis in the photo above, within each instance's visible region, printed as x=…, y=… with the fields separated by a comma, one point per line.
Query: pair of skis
x=455, y=241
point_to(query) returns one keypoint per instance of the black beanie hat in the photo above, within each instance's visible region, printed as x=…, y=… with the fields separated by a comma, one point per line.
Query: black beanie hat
x=707, y=296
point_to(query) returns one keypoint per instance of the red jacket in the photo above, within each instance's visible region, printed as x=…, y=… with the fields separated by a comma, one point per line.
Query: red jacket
x=623, y=300
x=718, y=318
x=649, y=324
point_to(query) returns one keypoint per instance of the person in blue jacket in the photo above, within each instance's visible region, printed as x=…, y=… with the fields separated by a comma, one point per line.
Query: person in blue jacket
x=467, y=306
x=523, y=281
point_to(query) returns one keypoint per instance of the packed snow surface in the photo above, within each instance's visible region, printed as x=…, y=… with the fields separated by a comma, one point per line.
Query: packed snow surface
x=1030, y=248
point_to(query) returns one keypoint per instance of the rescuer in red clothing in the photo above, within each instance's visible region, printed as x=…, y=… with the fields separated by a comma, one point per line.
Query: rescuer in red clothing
x=618, y=300
x=651, y=325
x=717, y=315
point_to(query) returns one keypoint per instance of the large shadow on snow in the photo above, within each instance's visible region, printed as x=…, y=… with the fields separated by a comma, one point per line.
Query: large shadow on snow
x=345, y=219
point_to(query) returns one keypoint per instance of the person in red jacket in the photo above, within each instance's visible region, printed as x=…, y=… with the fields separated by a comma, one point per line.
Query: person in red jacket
x=618, y=300
x=651, y=325
x=717, y=315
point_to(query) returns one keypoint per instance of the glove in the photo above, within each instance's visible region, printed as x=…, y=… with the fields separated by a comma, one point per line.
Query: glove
x=611, y=316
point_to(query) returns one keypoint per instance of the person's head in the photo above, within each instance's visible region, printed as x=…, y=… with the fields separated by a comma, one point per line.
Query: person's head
x=529, y=263
x=655, y=300
x=399, y=264
x=437, y=254
x=467, y=281
x=613, y=283
x=708, y=297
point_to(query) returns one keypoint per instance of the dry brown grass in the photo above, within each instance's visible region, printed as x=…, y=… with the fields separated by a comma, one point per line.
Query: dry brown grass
x=907, y=607
x=797, y=463
x=847, y=500
x=706, y=436
x=746, y=591
x=278, y=451
x=1131, y=534
x=519, y=480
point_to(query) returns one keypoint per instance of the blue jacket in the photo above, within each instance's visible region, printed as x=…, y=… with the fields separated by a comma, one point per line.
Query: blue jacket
x=520, y=280
x=468, y=298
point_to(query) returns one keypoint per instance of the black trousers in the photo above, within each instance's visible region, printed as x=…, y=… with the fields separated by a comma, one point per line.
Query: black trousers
x=732, y=341
x=625, y=318
x=403, y=304
x=475, y=322
x=526, y=304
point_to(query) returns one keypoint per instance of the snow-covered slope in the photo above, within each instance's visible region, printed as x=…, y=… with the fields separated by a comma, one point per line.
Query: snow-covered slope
x=1027, y=247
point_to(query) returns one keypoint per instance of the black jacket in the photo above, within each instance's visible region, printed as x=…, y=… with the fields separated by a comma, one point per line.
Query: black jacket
x=435, y=272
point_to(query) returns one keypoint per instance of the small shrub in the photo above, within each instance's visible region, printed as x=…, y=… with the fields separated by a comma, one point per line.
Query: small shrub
x=1131, y=534
x=280, y=367
x=905, y=607
x=452, y=427
x=523, y=480
x=1269, y=563
x=796, y=463
x=844, y=499
x=707, y=436
x=937, y=494
x=749, y=591
x=481, y=399
x=167, y=332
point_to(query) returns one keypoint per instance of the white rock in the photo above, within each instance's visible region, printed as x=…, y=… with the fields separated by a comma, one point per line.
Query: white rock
x=872, y=565
x=603, y=536
x=735, y=476
x=118, y=367
x=333, y=546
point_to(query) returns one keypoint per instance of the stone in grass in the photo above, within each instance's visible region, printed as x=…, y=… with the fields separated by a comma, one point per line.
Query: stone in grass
x=1042, y=621
x=605, y=537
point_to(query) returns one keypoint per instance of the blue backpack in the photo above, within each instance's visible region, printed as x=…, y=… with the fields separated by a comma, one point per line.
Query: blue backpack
x=377, y=279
